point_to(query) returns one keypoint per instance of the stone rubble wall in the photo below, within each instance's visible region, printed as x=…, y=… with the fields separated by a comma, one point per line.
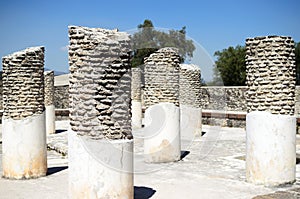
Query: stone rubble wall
x=49, y=87
x=190, y=86
x=230, y=98
x=271, y=74
x=136, y=84
x=23, y=83
x=234, y=98
x=297, y=100
x=100, y=83
x=162, y=77
x=61, y=97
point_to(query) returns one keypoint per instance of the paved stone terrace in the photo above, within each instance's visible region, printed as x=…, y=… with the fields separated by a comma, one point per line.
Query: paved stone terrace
x=213, y=167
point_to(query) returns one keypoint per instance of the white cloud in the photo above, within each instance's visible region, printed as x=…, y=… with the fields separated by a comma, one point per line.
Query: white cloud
x=64, y=48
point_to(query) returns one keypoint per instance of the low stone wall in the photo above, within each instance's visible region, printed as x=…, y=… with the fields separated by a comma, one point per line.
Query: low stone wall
x=61, y=97
x=224, y=118
x=230, y=98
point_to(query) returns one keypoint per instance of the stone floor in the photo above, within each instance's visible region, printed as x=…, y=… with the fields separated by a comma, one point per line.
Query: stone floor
x=213, y=166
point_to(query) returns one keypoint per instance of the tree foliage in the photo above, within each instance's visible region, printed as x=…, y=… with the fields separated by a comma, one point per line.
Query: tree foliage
x=230, y=66
x=148, y=40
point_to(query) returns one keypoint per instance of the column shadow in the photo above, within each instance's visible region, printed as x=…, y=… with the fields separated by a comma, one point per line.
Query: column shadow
x=184, y=154
x=60, y=131
x=143, y=192
x=53, y=170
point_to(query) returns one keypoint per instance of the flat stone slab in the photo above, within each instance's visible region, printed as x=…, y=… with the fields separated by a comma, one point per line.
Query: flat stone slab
x=58, y=142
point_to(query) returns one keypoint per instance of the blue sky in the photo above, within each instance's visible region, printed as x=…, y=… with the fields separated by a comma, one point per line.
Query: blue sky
x=213, y=24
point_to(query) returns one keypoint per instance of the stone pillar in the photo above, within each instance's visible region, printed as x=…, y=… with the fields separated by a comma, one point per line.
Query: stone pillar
x=271, y=74
x=100, y=139
x=190, y=101
x=162, y=96
x=271, y=149
x=271, y=153
x=136, y=104
x=49, y=102
x=23, y=121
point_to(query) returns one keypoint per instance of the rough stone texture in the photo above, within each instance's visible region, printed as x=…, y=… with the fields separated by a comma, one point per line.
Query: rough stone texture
x=190, y=87
x=223, y=122
x=271, y=74
x=23, y=83
x=1, y=92
x=162, y=77
x=49, y=87
x=293, y=193
x=100, y=83
x=297, y=100
x=234, y=98
x=61, y=97
x=136, y=84
x=231, y=98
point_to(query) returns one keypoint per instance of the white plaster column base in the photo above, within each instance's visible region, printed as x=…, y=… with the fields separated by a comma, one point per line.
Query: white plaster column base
x=136, y=109
x=100, y=168
x=24, y=147
x=190, y=122
x=271, y=149
x=162, y=133
x=50, y=119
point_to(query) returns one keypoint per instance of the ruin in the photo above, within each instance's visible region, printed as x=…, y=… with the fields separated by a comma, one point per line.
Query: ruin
x=49, y=102
x=271, y=74
x=100, y=139
x=23, y=121
x=161, y=95
x=136, y=103
x=271, y=128
x=190, y=101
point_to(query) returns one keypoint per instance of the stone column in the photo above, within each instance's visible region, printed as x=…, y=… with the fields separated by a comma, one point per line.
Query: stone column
x=136, y=104
x=23, y=121
x=190, y=101
x=162, y=134
x=49, y=102
x=271, y=153
x=100, y=139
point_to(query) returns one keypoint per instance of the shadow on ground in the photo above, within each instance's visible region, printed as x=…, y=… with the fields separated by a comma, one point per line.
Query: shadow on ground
x=143, y=192
x=60, y=131
x=184, y=154
x=53, y=170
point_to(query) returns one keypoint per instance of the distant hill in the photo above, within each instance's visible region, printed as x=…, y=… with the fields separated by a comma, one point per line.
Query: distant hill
x=56, y=73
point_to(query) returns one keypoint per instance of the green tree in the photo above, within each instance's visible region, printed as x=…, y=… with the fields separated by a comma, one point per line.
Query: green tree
x=148, y=40
x=297, y=57
x=230, y=66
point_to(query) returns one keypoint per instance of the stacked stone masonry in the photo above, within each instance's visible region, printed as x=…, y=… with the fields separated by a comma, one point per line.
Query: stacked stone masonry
x=229, y=98
x=49, y=87
x=271, y=74
x=190, y=86
x=162, y=77
x=136, y=84
x=100, y=83
x=23, y=83
x=61, y=97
